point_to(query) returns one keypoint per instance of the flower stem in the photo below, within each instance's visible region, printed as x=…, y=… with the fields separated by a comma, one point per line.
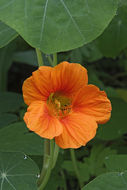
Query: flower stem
x=75, y=166
x=64, y=179
x=55, y=156
x=54, y=59
x=45, y=160
x=48, y=167
x=50, y=60
x=39, y=57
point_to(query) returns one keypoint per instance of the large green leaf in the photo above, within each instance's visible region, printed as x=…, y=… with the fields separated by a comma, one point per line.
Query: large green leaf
x=116, y=163
x=6, y=119
x=116, y=126
x=108, y=181
x=16, y=137
x=7, y=34
x=17, y=172
x=58, y=25
x=10, y=102
x=114, y=38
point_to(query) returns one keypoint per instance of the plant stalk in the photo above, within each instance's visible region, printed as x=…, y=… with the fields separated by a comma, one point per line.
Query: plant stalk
x=47, y=169
x=75, y=166
x=39, y=57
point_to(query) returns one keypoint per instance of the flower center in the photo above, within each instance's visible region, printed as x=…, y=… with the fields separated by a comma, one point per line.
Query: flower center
x=59, y=104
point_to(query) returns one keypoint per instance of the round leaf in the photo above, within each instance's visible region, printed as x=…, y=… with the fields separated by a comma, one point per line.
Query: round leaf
x=114, y=39
x=17, y=172
x=108, y=181
x=16, y=137
x=58, y=25
x=116, y=163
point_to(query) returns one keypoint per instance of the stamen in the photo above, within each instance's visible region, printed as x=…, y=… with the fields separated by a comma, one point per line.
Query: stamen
x=59, y=104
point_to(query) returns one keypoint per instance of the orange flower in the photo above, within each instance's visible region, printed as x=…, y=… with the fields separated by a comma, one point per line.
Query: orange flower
x=63, y=106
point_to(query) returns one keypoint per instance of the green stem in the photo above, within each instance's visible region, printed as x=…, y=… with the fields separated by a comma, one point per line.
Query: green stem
x=64, y=179
x=75, y=166
x=49, y=167
x=45, y=160
x=50, y=60
x=56, y=152
x=54, y=59
x=39, y=57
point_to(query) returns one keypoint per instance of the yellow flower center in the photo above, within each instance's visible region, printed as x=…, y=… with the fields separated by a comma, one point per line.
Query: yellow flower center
x=59, y=104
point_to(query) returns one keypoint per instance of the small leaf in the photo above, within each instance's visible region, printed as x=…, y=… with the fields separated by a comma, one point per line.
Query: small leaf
x=82, y=167
x=16, y=137
x=17, y=172
x=97, y=157
x=108, y=181
x=115, y=163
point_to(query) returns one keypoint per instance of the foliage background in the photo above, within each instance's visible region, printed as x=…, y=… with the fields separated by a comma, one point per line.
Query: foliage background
x=103, y=51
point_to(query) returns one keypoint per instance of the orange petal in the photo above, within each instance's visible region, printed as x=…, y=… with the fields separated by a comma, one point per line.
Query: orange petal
x=65, y=77
x=30, y=92
x=78, y=129
x=39, y=120
x=69, y=77
x=91, y=101
x=43, y=81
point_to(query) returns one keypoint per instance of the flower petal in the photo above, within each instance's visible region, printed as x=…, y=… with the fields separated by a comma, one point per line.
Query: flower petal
x=78, y=129
x=30, y=92
x=39, y=120
x=65, y=77
x=42, y=80
x=91, y=101
x=69, y=77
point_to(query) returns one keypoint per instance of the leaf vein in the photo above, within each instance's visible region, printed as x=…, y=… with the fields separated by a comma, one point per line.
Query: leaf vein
x=73, y=20
x=43, y=20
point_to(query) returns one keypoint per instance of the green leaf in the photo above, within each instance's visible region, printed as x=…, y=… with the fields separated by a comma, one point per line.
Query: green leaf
x=88, y=52
x=91, y=52
x=94, y=79
x=97, y=157
x=6, y=55
x=108, y=181
x=114, y=39
x=7, y=34
x=10, y=102
x=115, y=163
x=16, y=137
x=28, y=57
x=17, y=172
x=58, y=25
x=6, y=119
x=82, y=167
x=116, y=126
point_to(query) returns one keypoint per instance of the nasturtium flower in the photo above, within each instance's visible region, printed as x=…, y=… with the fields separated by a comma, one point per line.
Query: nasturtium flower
x=63, y=106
